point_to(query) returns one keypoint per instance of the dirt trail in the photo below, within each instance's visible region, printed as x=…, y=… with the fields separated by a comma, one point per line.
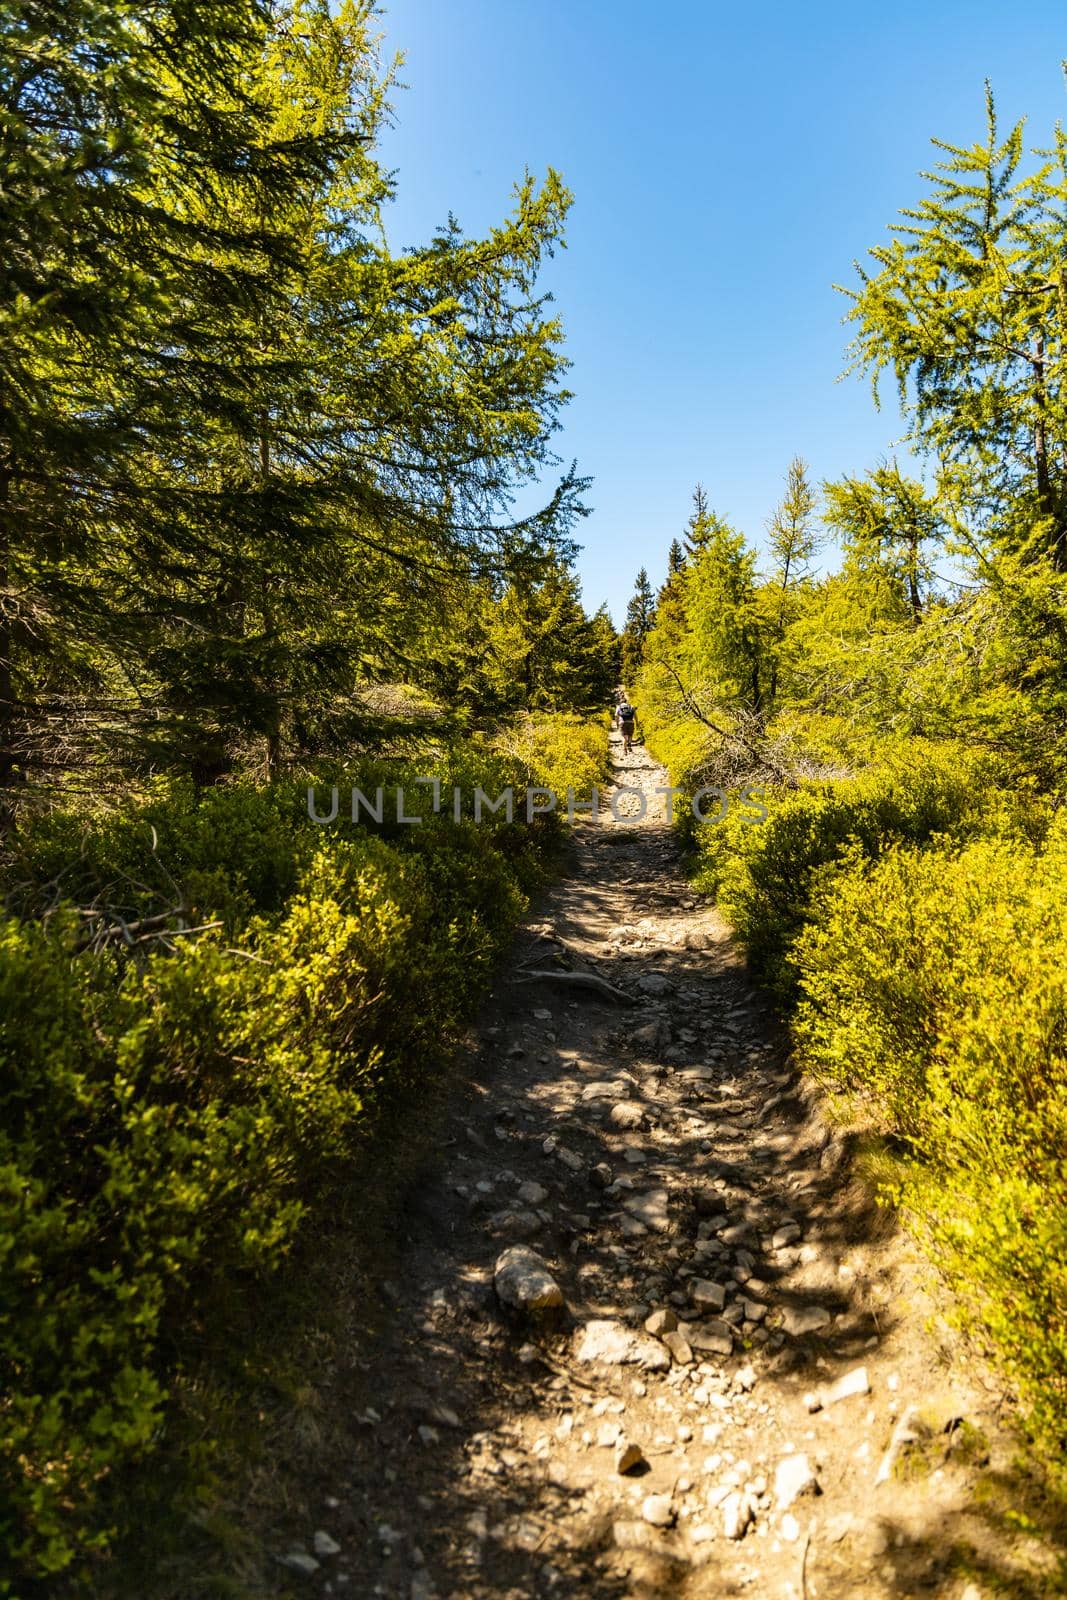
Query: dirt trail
x=660, y=1159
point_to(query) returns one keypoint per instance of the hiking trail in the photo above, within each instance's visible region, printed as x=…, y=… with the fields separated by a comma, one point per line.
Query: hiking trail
x=748, y=1390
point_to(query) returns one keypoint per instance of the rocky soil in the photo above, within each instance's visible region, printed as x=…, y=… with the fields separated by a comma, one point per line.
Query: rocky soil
x=645, y=1332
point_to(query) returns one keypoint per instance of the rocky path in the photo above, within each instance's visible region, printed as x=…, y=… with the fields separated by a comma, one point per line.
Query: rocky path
x=741, y=1392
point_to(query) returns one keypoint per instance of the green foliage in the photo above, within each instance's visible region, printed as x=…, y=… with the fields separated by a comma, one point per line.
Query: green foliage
x=934, y=993
x=891, y=530
x=640, y=617
x=966, y=308
x=257, y=459
x=560, y=753
x=770, y=876
x=172, y=1110
x=905, y=715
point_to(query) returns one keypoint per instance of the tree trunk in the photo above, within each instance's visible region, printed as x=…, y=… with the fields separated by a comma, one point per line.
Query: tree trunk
x=9, y=768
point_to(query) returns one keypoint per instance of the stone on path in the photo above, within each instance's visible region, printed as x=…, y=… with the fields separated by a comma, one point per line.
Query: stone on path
x=514, y=1223
x=608, y=1341
x=788, y=1233
x=908, y=1431
x=706, y=1296
x=714, y=1336
x=650, y=1208
x=651, y=1035
x=654, y=983
x=679, y=1347
x=532, y=1194
x=627, y=1114
x=605, y=1089
x=300, y=1561
x=658, y=1510
x=737, y=1514
x=854, y=1382
x=628, y=1456
x=799, y=1320
x=793, y=1477
x=523, y=1282
x=661, y=1322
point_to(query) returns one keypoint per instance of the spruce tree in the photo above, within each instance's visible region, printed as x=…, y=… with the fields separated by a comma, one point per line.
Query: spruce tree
x=640, y=616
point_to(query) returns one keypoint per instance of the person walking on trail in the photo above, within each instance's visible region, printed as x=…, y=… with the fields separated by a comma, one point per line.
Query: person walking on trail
x=626, y=720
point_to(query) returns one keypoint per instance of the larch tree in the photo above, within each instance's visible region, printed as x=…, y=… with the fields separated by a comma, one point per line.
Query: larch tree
x=966, y=307
x=792, y=538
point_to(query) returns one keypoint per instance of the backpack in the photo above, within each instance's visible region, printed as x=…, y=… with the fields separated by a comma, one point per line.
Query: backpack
x=626, y=713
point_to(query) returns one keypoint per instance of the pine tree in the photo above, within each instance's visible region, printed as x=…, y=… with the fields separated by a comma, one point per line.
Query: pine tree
x=246, y=450
x=604, y=657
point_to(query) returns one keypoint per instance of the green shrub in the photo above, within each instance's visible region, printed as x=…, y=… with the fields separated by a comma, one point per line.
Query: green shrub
x=168, y=1121
x=560, y=752
x=769, y=875
x=934, y=989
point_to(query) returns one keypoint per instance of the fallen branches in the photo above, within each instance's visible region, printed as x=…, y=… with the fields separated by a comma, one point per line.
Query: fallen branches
x=578, y=980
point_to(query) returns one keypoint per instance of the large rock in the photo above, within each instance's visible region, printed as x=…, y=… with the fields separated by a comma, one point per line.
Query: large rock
x=793, y=1477
x=799, y=1320
x=650, y=1208
x=523, y=1282
x=855, y=1382
x=605, y=1089
x=706, y=1296
x=613, y=1344
x=714, y=1336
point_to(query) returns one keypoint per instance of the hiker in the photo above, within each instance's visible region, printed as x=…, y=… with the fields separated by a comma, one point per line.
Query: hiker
x=626, y=720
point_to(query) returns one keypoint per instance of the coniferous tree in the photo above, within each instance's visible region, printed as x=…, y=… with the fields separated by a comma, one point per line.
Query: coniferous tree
x=640, y=615
x=246, y=449
x=968, y=310
x=791, y=535
x=696, y=531
x=890, y=528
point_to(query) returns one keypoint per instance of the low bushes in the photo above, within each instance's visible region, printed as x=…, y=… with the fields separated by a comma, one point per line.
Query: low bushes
x=173, y=1105
x=769, y=875
x=560, y=752
x=934, y=991
x=913, y=920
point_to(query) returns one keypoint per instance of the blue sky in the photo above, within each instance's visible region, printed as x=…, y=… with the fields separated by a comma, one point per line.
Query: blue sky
x=729, y=162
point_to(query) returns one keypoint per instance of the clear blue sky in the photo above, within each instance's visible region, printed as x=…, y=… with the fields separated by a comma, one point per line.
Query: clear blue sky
x=728, y=162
